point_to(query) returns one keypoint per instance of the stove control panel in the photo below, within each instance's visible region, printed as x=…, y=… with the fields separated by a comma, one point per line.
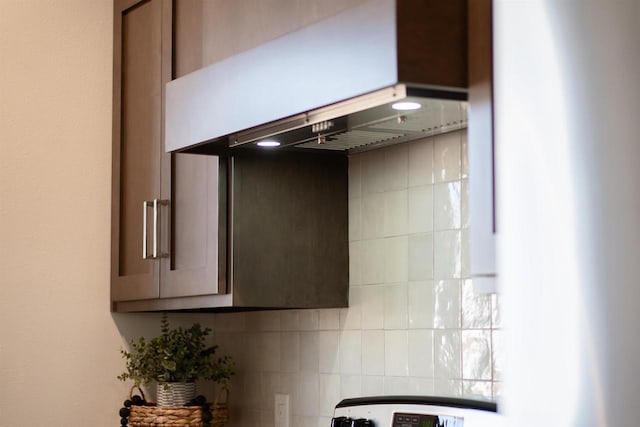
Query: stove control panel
x=421, y=420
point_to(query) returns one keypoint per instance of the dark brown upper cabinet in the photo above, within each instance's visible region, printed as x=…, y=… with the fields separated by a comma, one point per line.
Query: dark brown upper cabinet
x=191, y=232
x=175, y=255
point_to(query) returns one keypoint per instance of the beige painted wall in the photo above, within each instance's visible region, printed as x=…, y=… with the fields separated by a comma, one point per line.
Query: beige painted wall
x=59, y=345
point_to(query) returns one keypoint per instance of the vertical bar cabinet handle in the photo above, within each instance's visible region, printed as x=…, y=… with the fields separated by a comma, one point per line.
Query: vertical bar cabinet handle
x=155, y=229
x=145, y=206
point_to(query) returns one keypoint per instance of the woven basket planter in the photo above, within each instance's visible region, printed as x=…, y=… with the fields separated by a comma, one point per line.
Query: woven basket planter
x=220, y=409
x=174, y=416
x=165, y=416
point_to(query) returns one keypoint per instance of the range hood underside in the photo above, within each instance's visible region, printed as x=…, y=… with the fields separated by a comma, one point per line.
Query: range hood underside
x=359, y=124
x=366, y=127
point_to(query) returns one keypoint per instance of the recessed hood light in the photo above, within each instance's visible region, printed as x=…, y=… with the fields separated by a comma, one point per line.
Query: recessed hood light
x=406, y=106
x=268, y=143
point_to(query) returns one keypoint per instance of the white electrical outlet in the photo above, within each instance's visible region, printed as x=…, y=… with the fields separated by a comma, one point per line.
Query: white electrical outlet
x=282, y=410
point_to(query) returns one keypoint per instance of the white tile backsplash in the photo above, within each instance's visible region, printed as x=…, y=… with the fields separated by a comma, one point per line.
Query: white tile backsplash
x=447, y=209
x=372, y=309
x=421, y=170
x=355, y=177
x=373, y=215
x=395, y=217
x=447, y=162
x=289, y=320
x=329, y=319
x=447, y=254
x=448, y=387
x=396, y=167
x=447, y=346
x=329, y=352
x=350, y=386
x=329, y=393
x=373, y=352
x=351, y=318
x=356, y=259
x=446, y=310
x=373, y=172
x=372, y=385
x=396, y=353
x=421, y=304
x=310, y=351
x=396, y=313
x=396, y=259
x=421, y=386
x=464, y=204
x=421, y=353
x=308, y=320
x=476, y=309
x=421, y=256
x=308, y=394
x=420, y=209
x=413, y=326
x=464, y=154
x=289, y=351
x=395, y=385
x=355, y=219
x=351, y=352
x=373, y=261
x=476, y=355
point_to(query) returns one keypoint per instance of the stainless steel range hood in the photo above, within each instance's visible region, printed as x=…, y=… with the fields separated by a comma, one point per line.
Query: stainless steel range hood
x=332, y=85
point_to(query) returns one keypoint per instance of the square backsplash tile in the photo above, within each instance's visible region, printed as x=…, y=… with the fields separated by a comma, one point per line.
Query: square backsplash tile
x=395, y=171
x=447, y=346
x=309, y=352
x=421, y=162
x=421, y=353
x=396, y=306
x=420, y=209
x=372, y=306
x=447, y=161
x=421, y=256
x=396, y=353
x=395, y=218
x=446, y=310
x=447, y=250
x=447, y=208
x=421, y=304
x=396, y=259
x=373, y=352
x=476, y=355
x=351, y=352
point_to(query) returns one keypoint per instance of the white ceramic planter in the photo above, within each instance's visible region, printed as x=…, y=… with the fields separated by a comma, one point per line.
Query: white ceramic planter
x=175, y=394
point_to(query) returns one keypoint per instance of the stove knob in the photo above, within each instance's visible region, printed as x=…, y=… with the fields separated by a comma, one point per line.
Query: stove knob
x=361, y=422
x=340, y=422
x=347, y=422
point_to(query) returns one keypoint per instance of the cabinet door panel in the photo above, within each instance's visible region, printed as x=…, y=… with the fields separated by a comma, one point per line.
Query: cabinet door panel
x=136, y=143
x=192, y=183
x=192, y=268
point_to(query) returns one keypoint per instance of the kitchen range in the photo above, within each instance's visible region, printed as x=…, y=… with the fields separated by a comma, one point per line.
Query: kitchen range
x=415, y=411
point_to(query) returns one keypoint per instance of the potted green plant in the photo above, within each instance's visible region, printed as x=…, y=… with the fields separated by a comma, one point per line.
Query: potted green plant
x=174, y=361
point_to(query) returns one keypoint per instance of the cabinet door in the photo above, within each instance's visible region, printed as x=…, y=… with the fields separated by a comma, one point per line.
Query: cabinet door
x=192, y=184
x=137, y=135
x=481, y=150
